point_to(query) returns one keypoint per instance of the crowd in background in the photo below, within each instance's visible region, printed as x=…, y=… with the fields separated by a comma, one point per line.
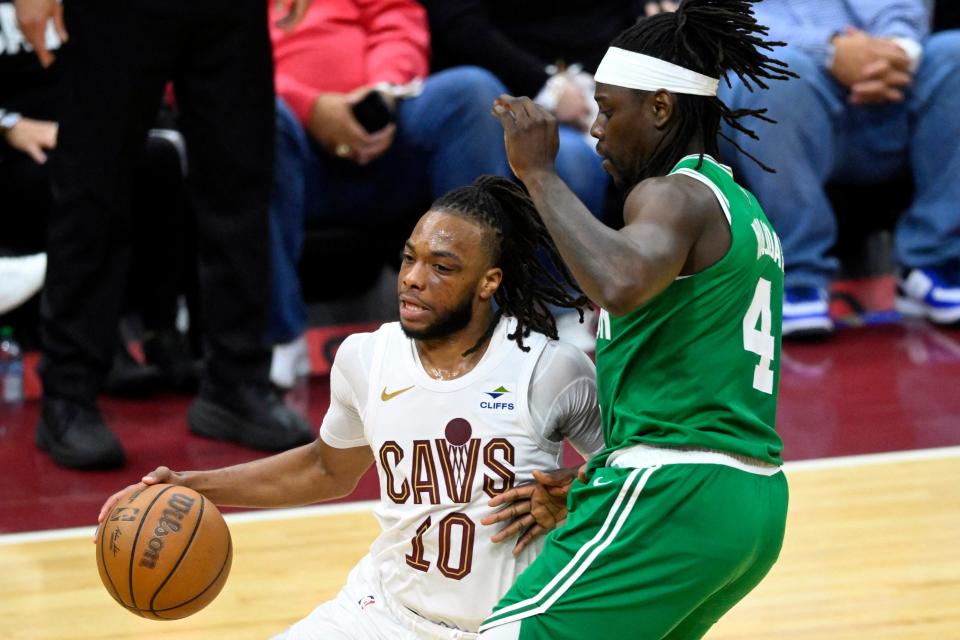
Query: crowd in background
x=184, y=172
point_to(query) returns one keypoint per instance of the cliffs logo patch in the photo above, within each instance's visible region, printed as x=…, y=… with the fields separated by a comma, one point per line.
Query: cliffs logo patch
x=498, y=404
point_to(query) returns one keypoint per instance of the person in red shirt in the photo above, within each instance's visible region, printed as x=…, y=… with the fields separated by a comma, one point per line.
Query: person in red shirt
x=425, y=135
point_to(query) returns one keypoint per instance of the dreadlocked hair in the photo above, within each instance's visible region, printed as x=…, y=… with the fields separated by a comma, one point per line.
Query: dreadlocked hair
x=711, y=37
x=534, y=275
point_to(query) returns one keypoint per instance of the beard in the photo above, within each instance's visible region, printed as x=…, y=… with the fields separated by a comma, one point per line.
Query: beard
x=446, y=324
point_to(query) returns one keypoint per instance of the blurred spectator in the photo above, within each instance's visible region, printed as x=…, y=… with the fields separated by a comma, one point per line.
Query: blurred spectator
x=876, y=97
x=113, y=71
x=427, y=136
x=26, y=136
x=162, y=262
x=547, y=50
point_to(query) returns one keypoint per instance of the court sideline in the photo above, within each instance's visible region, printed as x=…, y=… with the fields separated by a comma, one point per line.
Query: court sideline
x=871, y=552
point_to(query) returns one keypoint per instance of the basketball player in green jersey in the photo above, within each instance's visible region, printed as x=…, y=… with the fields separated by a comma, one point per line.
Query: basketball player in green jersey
x=684, y=512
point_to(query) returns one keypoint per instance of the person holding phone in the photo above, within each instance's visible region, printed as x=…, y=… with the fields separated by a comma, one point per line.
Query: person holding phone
x=365, y=138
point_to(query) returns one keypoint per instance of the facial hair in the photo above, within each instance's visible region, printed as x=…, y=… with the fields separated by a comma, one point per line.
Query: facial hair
x=446, y=324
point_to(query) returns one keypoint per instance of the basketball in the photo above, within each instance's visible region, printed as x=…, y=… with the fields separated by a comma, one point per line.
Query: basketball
x=164, y=552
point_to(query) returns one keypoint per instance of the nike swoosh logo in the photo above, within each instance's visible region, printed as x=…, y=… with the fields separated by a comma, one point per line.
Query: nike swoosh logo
x=390, y=396
x=598, y=482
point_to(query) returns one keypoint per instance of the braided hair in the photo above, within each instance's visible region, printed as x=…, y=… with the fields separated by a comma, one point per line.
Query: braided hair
x=534, y=275
x=711, y=37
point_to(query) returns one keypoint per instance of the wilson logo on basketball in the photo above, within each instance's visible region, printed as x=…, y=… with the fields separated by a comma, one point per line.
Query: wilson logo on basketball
x=178, y=506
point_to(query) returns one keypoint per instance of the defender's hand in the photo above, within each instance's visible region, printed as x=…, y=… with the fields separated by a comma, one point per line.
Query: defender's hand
x=532, y=508
x=161, y=475
x=529, y=134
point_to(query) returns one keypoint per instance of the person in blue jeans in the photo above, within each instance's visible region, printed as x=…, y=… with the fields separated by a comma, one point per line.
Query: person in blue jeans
x=444, y=138
x=876, y=96
x=545, y=50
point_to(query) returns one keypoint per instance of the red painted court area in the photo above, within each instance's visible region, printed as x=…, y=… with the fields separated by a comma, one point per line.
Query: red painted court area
x=885, y=387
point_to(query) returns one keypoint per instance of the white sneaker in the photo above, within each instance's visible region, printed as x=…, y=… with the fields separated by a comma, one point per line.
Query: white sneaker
x=930, y=293
x=20, y=278
x=806, y=312
x=291, y=361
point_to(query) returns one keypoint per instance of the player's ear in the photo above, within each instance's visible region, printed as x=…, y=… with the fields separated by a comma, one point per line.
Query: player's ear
x=663, y=104
x=490, y=282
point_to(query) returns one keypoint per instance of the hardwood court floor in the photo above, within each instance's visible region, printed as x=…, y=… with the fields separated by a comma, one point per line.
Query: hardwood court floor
x=871, y=553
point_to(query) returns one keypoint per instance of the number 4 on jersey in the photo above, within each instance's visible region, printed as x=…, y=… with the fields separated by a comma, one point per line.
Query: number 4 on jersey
x=759, y=339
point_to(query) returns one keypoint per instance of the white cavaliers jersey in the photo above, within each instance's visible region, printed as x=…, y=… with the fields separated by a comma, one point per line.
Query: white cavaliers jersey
x=443, y=448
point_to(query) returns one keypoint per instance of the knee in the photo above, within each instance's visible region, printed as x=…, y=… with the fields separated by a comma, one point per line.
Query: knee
x=941, y=51
x=471, y=88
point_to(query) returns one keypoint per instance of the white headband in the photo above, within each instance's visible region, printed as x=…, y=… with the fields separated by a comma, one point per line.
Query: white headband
x=637, y=71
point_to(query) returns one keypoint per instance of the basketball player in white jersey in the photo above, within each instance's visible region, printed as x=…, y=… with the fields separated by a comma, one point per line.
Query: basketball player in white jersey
x=455, y=404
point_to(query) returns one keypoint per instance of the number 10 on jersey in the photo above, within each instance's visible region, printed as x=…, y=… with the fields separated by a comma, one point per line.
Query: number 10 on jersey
x=453, y=566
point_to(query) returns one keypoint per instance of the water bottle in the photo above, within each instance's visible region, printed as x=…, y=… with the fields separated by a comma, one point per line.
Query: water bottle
x=11, y=368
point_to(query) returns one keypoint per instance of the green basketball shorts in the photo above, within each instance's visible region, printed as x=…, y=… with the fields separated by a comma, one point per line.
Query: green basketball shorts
x=650, y=552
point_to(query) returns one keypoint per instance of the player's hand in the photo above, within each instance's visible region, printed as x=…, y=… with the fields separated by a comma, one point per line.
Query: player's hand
x=529, y=134
x=532, y=508
x=297, y=10
x=33, y=16
x=32, y=137
x=333, y=125
x=160, y=475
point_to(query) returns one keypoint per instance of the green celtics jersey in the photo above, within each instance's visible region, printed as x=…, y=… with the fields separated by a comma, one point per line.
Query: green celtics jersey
x=698, y=366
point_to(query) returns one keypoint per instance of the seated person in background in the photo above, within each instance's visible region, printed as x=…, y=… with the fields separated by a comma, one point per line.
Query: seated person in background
x=423, y=137
x=163, y=259
x=27, y=134
x=876, y=97
x=548, y=51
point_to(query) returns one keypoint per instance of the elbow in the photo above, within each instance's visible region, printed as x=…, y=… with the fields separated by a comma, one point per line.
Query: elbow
x=341, y=487
x=621, y=297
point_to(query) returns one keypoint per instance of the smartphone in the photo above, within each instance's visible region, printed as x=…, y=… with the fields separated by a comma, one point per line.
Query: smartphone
x=372, y=112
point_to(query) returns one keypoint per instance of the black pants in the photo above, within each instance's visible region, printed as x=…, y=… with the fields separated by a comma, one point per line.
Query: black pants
x=113, y=72
x=163, y=265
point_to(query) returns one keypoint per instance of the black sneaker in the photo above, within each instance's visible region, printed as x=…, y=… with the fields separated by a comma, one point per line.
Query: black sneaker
x=76, y=436
x=251, y=414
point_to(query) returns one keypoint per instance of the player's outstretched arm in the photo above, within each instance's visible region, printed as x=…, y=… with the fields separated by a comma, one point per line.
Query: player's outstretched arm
x=307, y=474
